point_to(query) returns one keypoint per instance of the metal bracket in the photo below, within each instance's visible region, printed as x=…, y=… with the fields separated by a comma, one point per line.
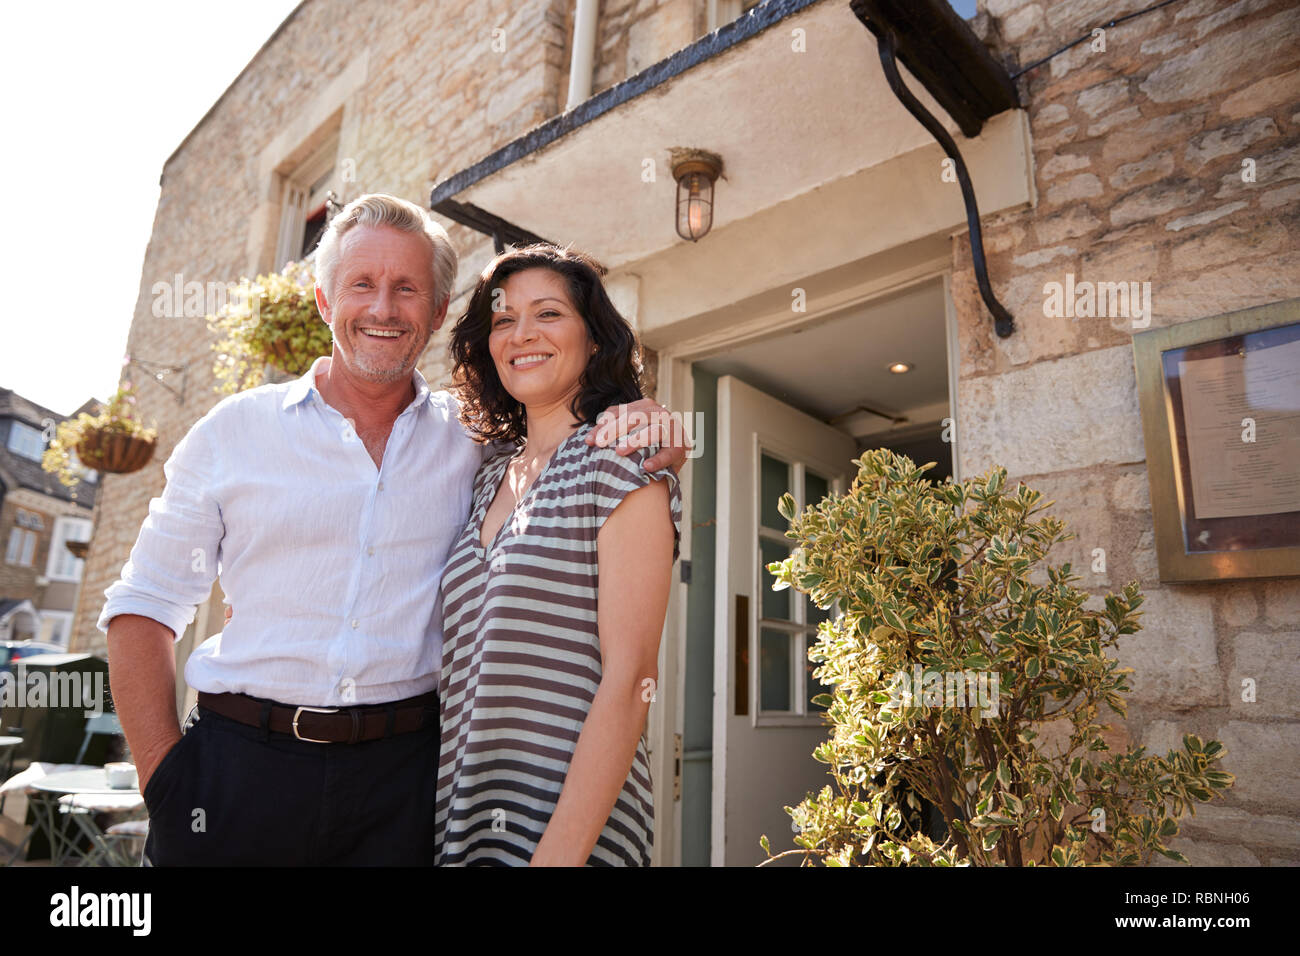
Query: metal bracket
x=888, y=45
x=500, y=230
x=158, y=372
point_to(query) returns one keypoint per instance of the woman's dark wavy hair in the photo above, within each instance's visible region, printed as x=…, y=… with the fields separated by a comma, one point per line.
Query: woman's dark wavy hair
x=612, y=375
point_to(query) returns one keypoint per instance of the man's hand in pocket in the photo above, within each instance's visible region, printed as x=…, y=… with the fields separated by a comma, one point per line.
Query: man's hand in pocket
x=151, y=759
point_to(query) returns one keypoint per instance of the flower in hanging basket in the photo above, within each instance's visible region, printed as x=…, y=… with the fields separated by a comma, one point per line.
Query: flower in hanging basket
x=114, y=441
x=271, y=320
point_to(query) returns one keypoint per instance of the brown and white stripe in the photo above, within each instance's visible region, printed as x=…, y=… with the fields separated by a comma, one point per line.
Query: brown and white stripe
x=521, y=661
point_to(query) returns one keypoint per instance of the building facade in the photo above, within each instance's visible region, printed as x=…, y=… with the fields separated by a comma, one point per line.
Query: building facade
x=40, y=578
x=839, y=247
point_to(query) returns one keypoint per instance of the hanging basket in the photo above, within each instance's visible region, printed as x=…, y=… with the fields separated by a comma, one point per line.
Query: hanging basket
x=114, y=452
x=79, y=549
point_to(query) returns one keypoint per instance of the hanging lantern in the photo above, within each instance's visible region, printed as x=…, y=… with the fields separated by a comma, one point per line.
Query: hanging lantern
x=695, y=178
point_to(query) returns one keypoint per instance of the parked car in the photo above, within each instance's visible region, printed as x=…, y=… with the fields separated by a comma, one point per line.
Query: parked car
x=11, y=651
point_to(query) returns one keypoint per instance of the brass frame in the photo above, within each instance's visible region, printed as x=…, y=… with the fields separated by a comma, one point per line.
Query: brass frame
x=1163, y=477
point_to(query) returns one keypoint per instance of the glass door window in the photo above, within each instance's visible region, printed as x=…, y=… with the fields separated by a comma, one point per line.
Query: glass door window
x=787, y=624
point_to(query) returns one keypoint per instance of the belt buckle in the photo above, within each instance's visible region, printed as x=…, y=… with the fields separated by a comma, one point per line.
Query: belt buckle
x=314, y=710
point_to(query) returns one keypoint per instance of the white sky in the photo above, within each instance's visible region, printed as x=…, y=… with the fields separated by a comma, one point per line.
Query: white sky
x=95, y=97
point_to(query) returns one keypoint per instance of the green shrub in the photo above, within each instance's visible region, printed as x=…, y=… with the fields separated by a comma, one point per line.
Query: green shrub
x=936, y=579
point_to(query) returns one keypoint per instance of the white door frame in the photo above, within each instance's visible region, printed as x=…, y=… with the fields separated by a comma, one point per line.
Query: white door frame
x=676, y=392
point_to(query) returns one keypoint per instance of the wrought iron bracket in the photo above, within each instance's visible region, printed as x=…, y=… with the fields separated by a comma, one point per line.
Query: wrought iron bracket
x=500, y=230
x=888, y=46
x=159, y=372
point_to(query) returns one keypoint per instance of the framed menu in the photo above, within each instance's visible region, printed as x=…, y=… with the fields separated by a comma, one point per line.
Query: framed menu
x=1220, y=400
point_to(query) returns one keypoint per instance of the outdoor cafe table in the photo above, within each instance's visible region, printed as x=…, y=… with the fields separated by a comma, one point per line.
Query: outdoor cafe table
x=45, y=808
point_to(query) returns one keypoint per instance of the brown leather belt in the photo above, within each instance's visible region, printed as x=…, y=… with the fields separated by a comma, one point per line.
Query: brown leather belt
x=327, y=725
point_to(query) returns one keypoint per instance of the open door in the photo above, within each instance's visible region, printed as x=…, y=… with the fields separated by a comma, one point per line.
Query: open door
x=764, y=726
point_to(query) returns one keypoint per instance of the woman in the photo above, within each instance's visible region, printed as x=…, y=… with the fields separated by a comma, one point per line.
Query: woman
x=555, y=594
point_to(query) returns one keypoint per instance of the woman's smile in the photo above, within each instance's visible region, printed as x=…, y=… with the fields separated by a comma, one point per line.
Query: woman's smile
x=532, y=360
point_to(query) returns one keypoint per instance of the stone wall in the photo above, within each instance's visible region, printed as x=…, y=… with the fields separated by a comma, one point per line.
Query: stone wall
x=1138, y=154
x=634, y=34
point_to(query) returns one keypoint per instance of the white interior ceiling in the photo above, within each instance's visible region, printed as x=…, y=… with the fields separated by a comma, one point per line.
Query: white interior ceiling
x=829, y=368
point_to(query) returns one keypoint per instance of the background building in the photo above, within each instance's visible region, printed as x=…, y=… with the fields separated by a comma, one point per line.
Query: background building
x=40, y=578
x=838, y=247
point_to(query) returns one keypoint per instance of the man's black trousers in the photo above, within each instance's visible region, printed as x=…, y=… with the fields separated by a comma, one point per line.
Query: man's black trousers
x=229, y=794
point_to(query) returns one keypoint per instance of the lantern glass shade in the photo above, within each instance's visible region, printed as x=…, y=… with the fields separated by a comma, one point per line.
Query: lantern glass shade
x=694, y=205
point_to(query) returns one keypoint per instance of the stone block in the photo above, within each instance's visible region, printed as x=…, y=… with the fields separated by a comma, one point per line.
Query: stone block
x=1264, y=95
x=1132, y=492
x=1203, y=218
x=1104, y=97
x=1202, y=853
x=1209, y=68
x=1148, y=170
x=1264, y=758
x=1069, y=413
x=1050, y=115
x=1228, y=14
x=1271, y=662
x=1074, y=189
x=1154, y=201
x=1174, y=655
x=1141, y=140
x=1231, y=824
x=1228, y=244
x=1282, y=602
x=1238, y=603
x=1069, y=223
x=1062, y=163
x=1040, y=257
x=1231, y=140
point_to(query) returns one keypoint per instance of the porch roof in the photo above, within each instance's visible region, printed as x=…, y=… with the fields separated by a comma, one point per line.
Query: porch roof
x=785, y=121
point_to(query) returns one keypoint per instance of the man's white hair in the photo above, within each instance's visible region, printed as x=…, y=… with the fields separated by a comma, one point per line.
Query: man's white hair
x=379, y=209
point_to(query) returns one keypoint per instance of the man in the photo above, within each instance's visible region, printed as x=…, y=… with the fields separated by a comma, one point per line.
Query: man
x=330, y=504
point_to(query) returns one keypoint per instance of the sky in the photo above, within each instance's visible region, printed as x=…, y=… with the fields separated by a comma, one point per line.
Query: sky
x=95, y=97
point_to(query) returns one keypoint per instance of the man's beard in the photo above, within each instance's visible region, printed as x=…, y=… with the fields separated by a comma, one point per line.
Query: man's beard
x=365, y=366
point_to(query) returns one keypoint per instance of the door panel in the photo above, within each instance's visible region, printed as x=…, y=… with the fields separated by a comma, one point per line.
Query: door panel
x=764, y=735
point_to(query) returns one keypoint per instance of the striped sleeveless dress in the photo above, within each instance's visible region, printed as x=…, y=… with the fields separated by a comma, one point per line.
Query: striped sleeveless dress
x=521, y=661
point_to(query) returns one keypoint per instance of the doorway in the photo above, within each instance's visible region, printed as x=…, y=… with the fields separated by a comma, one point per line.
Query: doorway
x=787, y=412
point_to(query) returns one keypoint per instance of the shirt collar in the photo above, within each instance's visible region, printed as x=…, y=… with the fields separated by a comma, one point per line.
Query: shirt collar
x=303, y=388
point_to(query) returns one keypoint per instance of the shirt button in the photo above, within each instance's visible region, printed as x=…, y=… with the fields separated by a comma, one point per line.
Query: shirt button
x=354, y=623
x=381, y=486
x=370, y=551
